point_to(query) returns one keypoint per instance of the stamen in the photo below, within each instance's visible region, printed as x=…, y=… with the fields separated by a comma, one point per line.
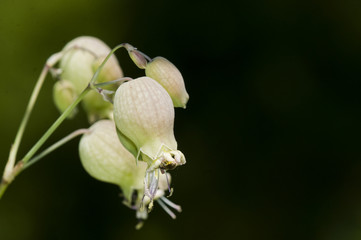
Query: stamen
x=171, y=204
x=166, y=176
x=150, y=188
x=153, y=187
x=170, y=193
x=166, y=209
x=141, y=208
x=134, y=198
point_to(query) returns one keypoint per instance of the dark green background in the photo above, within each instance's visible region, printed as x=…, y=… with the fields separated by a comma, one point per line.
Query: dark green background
x=272, y=131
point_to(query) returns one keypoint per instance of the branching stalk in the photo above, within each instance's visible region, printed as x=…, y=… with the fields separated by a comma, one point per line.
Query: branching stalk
x=15, y=147
x=56, y=145
x=55, y=125
x=20, y=165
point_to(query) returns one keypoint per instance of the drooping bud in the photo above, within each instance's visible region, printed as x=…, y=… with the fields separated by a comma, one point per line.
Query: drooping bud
x=106, y=159
x=137, y=57
x=82, y=57
x=64, y=94
x=144, y=116
x=165, y=73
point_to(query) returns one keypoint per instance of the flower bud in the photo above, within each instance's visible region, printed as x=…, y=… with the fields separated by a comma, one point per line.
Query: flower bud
x=144, y=116
x=82, y=57
x=165, y=73
x=137, y=57
x=64, y=94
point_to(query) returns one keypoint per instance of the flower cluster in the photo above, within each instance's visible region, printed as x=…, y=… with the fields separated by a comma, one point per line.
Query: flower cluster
x=131, y=141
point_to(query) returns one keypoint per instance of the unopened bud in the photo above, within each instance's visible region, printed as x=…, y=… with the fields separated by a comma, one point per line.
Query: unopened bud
x=165, y=73
x=137, y=57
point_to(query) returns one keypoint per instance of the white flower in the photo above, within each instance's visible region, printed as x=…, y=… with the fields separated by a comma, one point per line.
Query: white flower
x=144, y=116
x=106, y=159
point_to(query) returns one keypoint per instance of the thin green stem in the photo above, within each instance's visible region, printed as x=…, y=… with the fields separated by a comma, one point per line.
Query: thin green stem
x=120, y=80
x=19, y=135
x=52, y=60
x=55, y=146
x=29, y=109
x=21, y=165
x=53, y=127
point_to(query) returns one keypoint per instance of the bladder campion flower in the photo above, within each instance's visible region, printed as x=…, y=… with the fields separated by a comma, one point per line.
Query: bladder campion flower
x=144, y=116
x=106, y=159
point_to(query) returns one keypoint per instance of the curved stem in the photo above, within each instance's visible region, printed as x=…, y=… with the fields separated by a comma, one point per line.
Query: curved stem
x=28, y=111
x=14, y=148
x=55, y=146
x=52, y=60
x=117, y=81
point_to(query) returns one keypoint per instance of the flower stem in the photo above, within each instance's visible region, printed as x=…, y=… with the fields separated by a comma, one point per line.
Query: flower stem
x=14, y=148
x=56, y=145
x=28, y=112
x=117, y=81
x=21, y=165
x=53, y=127
x=52, y=60
x=96, y=74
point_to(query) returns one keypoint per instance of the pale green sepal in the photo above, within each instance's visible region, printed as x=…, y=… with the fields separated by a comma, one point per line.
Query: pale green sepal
x=64, y=94
x=127, y=143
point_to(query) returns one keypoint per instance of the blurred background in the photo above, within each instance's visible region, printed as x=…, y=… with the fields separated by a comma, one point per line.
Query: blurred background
x=272, y=131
